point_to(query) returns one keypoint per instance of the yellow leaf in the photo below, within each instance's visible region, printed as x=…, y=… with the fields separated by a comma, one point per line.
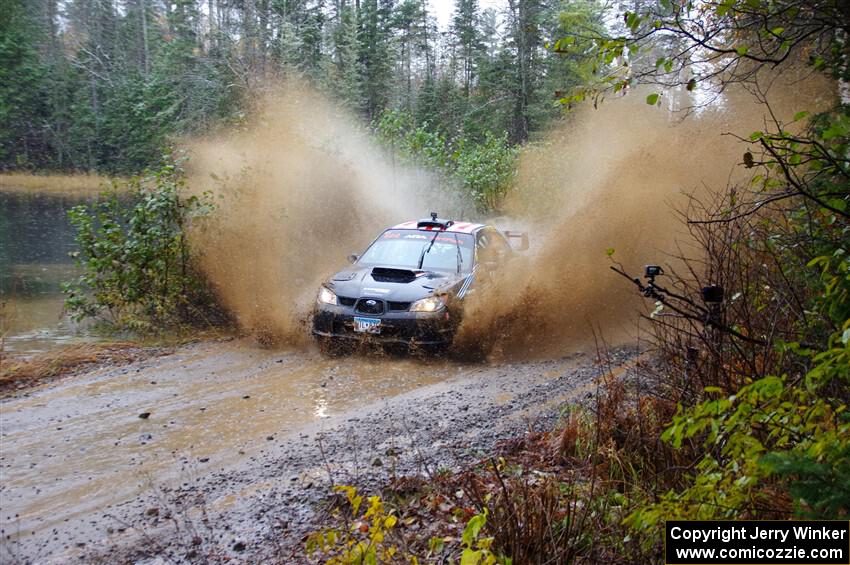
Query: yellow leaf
x=470, y=557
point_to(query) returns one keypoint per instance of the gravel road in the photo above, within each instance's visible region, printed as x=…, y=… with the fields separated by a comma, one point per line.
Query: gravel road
x=224, y=448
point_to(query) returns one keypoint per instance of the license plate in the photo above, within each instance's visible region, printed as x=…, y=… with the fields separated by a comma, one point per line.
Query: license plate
x=367, y=325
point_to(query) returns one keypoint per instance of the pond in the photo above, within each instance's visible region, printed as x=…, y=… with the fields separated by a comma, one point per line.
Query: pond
x=35, y=240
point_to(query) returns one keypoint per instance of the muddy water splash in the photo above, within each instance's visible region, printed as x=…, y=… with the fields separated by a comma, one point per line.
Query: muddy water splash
x=299, y=188
x=612, y=178
x=301, y=185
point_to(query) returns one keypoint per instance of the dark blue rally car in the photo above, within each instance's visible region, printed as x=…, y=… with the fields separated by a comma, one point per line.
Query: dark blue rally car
x=408, y=287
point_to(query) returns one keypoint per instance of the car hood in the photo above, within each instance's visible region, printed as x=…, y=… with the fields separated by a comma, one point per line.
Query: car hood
x=390, y=283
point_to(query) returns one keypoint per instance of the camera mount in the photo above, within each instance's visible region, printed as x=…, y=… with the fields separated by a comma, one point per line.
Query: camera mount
x=649, y=273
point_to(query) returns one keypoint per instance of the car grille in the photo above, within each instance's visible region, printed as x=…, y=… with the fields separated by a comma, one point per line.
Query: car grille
x=369, y=306
x=363, y=308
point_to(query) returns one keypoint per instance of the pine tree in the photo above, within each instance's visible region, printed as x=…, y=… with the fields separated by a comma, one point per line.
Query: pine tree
x=410, y=20
x=348, y=70
x=374, y=40
x=23, y=108
x=467, y=37
x=526, y=42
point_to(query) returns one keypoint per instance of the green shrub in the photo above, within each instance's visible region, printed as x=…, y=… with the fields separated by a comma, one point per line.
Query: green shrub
x=138, y=272
x=482, y=170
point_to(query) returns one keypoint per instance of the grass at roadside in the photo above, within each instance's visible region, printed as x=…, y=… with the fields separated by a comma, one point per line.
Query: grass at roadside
x=20, y=373
x=62, y=185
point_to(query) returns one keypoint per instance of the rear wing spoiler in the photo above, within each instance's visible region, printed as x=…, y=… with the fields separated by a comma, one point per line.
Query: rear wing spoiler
x=522, y=245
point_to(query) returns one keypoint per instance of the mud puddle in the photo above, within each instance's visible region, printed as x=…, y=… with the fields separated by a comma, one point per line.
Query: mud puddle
x=91, y=443
x=257, y=434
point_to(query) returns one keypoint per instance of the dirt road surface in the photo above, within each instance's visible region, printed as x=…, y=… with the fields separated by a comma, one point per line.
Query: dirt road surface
x=223, y=448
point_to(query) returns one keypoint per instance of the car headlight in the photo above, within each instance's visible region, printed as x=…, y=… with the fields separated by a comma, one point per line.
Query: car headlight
x=326, y=296
x=430, y=304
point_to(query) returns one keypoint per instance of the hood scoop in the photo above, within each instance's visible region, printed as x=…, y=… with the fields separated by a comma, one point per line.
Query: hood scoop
x=387, y=274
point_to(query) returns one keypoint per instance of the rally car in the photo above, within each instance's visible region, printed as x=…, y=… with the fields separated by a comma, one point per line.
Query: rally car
x=409, y=286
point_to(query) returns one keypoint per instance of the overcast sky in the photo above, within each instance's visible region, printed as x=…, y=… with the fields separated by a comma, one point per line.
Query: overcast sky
x=443, y=9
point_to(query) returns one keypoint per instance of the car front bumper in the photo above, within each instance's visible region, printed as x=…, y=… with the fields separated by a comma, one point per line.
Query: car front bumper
x=412, y=328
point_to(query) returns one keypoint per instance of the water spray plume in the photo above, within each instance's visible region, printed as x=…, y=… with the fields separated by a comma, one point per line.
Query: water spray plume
x=612, y=179
x=301, y=185
x=298, y=188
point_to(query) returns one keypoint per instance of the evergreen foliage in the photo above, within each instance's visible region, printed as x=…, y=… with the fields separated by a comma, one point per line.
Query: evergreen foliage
x=103, y=85
x=482, y=170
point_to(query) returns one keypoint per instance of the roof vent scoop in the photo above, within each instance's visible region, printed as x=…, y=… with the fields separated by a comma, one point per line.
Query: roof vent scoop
x=387, y=274
x=434, y=223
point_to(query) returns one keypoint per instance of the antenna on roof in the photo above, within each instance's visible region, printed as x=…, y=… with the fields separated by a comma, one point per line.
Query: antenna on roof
x=434, y=223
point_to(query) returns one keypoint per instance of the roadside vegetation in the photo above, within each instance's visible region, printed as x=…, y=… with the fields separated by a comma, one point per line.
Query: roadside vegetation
x=138, y=271
x=17, y=373
x=757, y=349
x=138, y=278
x=59, y=184
x=482, y=171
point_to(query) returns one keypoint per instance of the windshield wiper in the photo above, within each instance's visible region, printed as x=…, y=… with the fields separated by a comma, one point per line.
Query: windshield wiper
x=427, y=250
x=459, y=257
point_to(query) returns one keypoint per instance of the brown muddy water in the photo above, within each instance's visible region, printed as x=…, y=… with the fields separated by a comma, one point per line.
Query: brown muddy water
x=246, y=429
x=35, y=239
x=84, y=450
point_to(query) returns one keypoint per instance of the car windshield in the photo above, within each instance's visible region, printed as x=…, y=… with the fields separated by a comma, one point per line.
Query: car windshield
x=405, y=248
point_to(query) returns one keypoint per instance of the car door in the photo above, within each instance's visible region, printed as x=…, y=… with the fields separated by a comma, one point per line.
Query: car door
x=492, y=251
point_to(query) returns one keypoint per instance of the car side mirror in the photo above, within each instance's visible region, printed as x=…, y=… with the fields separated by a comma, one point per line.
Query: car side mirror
x=522, y=245
x=353, y=258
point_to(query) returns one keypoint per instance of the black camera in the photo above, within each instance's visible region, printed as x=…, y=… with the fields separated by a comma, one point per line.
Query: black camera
x=712, y=294
x=651, y=271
